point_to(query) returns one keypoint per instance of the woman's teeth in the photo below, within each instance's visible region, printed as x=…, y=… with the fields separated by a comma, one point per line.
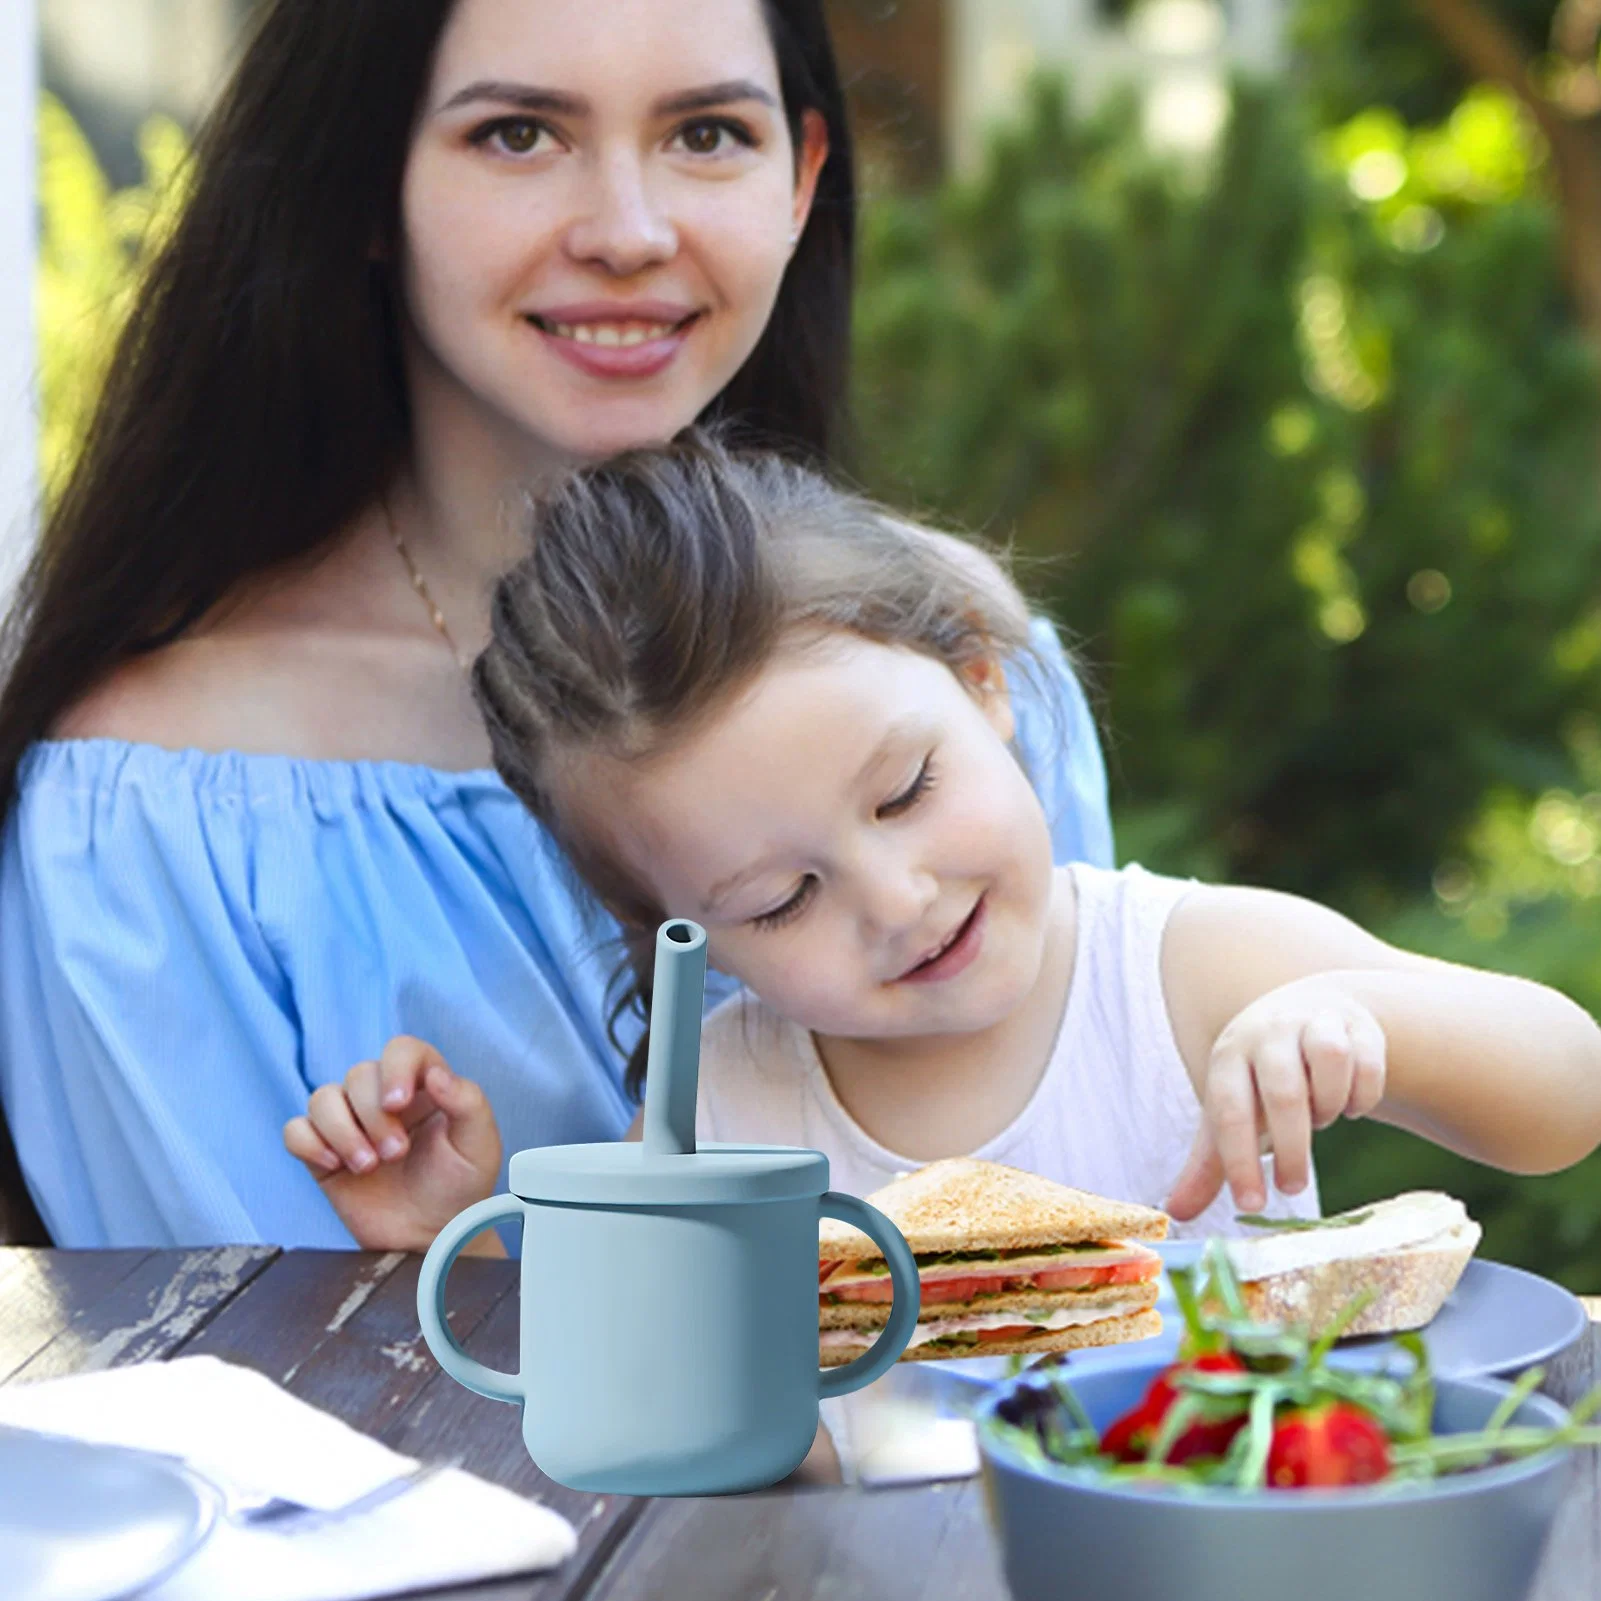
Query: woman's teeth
x=615, y=335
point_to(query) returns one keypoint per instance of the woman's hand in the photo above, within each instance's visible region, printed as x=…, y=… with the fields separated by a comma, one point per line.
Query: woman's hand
x=400, y=1148
x=1292, y=1061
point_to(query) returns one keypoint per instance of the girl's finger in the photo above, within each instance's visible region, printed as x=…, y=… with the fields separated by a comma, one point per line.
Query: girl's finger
x=364, y=1092
x=1281, y=1084
x=471, y=1124
x=1199, y=1180
x=1330, y=1061
x=401, y=1066
x=1231, y=1110
x=1369, y=1058
x=303, y=1141
x=334, y=1121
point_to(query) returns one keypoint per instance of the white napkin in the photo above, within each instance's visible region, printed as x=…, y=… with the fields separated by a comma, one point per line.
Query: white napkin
x=237, y=1427
x=908, y=1427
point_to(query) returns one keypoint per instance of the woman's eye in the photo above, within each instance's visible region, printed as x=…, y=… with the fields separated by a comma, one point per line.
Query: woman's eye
x=793, y=907
x=517, y=136
x=711, y=136
x=913, y=793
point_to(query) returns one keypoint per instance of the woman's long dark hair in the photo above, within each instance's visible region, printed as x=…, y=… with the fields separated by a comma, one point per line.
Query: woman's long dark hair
x=255, y=402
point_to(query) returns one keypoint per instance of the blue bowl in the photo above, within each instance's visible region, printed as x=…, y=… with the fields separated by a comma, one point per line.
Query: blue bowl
x=1474, y=1536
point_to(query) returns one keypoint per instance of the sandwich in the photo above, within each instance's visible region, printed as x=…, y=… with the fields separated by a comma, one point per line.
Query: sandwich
x=1007, y=1262
x=1408, y=1252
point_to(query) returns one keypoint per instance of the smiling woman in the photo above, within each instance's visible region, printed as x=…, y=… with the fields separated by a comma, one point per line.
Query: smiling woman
x=435, y=254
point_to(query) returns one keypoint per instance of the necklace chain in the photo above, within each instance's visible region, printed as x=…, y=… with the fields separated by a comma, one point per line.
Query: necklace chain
x=435, y=615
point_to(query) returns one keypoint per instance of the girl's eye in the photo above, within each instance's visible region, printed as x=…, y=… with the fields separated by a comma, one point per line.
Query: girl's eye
x=793, y=907
x=915, y=791
x=517, y=136
x=709, y=136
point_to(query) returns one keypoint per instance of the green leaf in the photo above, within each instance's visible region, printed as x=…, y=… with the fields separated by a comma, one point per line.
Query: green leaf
x=1339, y=1323
x=1295, y=1225
x=1253, y=1465
x=1184, y=1411
x=1521, y=1390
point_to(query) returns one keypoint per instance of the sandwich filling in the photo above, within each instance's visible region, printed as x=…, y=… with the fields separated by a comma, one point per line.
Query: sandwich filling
x=965, y=1276
x=980, y=1328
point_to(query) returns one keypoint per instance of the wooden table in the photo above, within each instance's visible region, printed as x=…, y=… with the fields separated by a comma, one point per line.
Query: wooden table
x=339, y=1329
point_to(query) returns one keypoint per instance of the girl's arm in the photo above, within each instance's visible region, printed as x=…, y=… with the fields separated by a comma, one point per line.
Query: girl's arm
x=1500, y=1069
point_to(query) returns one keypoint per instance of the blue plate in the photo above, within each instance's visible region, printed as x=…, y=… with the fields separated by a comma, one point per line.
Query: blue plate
x=82, y=1522
x=1497, y=1320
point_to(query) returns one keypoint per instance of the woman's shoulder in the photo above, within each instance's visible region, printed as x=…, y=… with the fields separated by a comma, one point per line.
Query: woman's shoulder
x=179, y=696
x=282, y=684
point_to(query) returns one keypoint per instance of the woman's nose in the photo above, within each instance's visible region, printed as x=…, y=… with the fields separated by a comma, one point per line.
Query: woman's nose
x=623, y=230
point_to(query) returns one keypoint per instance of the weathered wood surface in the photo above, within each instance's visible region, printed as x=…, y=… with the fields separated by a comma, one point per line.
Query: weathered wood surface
x=339, y=1329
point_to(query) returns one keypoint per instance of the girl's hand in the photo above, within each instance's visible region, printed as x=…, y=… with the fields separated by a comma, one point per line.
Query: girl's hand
x=400, y=1148
x=1294, y=1060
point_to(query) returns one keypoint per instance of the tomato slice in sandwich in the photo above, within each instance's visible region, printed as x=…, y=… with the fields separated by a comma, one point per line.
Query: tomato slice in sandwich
x=939, y=1290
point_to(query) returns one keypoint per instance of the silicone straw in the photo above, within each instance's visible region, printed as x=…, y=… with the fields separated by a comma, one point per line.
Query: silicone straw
x=672, y=1062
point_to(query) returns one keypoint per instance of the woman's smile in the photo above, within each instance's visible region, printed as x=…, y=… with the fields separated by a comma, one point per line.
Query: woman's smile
x=634, y=340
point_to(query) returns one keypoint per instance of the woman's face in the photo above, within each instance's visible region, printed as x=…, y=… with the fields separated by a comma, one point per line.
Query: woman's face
x=597, y=213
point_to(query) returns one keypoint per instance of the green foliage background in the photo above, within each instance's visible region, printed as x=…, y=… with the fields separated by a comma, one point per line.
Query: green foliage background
x=1299, y=442
x=1301, y=445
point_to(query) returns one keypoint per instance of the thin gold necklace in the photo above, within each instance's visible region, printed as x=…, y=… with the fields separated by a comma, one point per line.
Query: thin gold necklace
x=436, y=616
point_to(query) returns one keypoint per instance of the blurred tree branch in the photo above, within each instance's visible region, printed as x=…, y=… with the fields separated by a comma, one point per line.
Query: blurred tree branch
x=1563, y=95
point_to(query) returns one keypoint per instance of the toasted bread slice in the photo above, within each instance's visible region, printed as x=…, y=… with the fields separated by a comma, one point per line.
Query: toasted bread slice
x=964, y=1204
x=1409, y=1287
x=1408, y=1251
x=1112, y=1331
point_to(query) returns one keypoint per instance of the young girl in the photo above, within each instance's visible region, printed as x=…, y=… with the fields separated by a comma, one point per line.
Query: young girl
x=735, y=694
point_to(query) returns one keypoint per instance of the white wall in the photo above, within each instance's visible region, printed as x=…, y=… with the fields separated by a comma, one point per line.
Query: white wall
x=1179, y=53
x=134, y=55
x=19, y=71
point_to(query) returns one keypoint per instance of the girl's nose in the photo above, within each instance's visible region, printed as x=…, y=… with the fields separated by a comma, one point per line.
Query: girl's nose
x=900, y=900
x=623, y=230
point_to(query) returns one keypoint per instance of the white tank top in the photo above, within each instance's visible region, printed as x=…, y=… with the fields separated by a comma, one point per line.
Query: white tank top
x=1114, y=1113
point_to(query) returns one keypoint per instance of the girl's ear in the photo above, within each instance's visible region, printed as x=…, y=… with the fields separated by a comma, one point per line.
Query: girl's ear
x=985, y=680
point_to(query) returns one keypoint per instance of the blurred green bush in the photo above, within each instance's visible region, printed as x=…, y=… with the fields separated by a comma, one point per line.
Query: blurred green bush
x=92, y=245
x=1300, y=443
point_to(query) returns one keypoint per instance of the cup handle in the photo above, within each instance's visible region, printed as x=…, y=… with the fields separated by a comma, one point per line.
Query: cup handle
x=885, y=1351
x=436, y=1267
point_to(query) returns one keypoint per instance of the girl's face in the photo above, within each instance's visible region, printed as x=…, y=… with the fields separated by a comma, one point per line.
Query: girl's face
x=596, y=216
x=854, y=814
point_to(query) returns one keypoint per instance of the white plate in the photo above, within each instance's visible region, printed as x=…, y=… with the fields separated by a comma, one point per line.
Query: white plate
x=81, y=1522
x=1497, y=1320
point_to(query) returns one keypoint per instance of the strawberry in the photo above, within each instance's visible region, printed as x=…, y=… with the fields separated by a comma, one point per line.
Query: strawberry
x=1131, y=1436
x=1331, y=1443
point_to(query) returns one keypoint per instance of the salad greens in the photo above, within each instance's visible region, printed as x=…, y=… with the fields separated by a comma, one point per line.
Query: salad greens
x=1291, y=1225
x=1252, y=1405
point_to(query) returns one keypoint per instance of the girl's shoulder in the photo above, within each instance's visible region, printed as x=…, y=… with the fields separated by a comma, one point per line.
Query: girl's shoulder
x=742, y=1036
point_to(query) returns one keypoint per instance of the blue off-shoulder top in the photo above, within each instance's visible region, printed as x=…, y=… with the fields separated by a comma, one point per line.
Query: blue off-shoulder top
x=191, y=942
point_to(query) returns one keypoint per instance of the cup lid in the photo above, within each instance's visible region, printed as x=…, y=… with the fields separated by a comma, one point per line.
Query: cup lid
x=624, y=1173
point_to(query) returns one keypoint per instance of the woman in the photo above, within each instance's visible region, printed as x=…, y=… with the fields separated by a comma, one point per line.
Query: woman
x=434, y=253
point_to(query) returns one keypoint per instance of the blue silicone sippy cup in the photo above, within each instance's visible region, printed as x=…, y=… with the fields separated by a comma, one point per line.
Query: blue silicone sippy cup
x=669, y=1292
